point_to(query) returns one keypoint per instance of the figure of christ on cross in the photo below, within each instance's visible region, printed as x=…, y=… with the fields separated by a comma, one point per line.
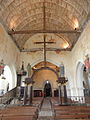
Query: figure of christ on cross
x=44, y=42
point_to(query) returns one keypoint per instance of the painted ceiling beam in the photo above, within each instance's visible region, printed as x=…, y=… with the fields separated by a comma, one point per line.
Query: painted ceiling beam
x=42, y=31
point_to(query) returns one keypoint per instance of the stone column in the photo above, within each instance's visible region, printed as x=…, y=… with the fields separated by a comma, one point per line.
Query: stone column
x=62, y=81
x=65, y=94
x=29, y=83
x=25, y=94
x=30, y=93
x=60, y=95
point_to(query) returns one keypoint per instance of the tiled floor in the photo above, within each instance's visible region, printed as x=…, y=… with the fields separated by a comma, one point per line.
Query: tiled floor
x=46, y=112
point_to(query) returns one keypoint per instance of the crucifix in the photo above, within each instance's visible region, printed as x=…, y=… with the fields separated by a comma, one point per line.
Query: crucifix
x=45, y=49
x=44, y=37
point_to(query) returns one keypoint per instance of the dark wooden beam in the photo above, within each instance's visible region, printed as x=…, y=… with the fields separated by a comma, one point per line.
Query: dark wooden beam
x=47, y=49
x=44, y=16
x=43, y=31
x=43, y=42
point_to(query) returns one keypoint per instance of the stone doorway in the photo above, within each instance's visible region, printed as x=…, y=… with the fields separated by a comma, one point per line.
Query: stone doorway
x=47, y=89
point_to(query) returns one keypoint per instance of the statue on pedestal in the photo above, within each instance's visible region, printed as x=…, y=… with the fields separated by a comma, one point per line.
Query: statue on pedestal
x=2, y=67
x=87, y=63
x=29, y=69
x=62, y=70
x=87, y=70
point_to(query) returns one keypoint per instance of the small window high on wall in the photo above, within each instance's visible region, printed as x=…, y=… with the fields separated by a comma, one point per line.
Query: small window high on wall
x=5, y=80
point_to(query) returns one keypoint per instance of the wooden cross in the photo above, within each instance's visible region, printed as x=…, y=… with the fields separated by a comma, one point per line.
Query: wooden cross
x=44, y=28
x=44, y=48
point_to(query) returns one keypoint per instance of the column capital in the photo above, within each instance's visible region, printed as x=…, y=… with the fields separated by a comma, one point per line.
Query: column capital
x=28, y=81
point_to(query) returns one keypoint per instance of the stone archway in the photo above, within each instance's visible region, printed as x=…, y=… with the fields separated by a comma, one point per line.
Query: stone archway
x=40, y=76
x=47, y=89
x=80, y=79
x=45, y=68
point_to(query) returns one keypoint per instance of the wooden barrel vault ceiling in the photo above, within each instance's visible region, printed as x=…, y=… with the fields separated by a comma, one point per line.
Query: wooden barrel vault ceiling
x=61, y=20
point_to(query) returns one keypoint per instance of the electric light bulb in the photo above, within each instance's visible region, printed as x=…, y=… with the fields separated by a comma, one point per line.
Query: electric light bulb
x=76, y=23
x=66, y=45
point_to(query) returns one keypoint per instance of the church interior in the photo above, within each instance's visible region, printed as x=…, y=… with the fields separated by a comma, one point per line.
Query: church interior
x=44, y=59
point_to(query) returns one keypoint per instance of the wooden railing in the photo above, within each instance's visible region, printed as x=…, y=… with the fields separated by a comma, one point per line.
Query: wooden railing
x=78, y=100
x=72, y=100
x=5, y=99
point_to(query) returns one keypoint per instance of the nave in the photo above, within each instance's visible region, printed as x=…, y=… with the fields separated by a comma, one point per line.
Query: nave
x=44, y=59
x=45, y=109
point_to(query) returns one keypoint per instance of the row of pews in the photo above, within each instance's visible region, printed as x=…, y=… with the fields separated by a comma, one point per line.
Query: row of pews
x=67, y=112
x=21, y=112
x=72, y=112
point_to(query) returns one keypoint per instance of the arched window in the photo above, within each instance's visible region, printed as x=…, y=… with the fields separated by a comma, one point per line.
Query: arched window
x=5, y=80
x=8, y=76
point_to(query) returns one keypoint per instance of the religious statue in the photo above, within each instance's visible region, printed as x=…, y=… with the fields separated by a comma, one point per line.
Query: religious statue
x=87, y=70
x=2, y=67
x=62, y=71
x=87, y=63
x=29, y=69
x=22, y=68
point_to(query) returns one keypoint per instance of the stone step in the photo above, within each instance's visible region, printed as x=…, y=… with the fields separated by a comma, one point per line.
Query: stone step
x=45, y=118
x=45, y=113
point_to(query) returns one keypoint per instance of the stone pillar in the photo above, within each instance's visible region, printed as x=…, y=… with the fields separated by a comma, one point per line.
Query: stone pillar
x=65, y=94
x=60, y=94
x=25, y=94
x=62, y=81
x=30, y=93
x=29, y=82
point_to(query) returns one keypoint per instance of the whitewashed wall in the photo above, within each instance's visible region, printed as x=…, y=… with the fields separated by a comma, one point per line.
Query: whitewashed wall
x=78, y=53
x=9, y=53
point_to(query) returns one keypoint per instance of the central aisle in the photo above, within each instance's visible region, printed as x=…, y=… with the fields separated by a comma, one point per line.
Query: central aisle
x=46, y=112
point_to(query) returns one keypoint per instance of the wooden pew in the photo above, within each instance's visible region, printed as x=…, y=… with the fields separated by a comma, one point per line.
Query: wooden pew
x=74, y=116
x=17, y=118
x=19, y=113
x=72, y=112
